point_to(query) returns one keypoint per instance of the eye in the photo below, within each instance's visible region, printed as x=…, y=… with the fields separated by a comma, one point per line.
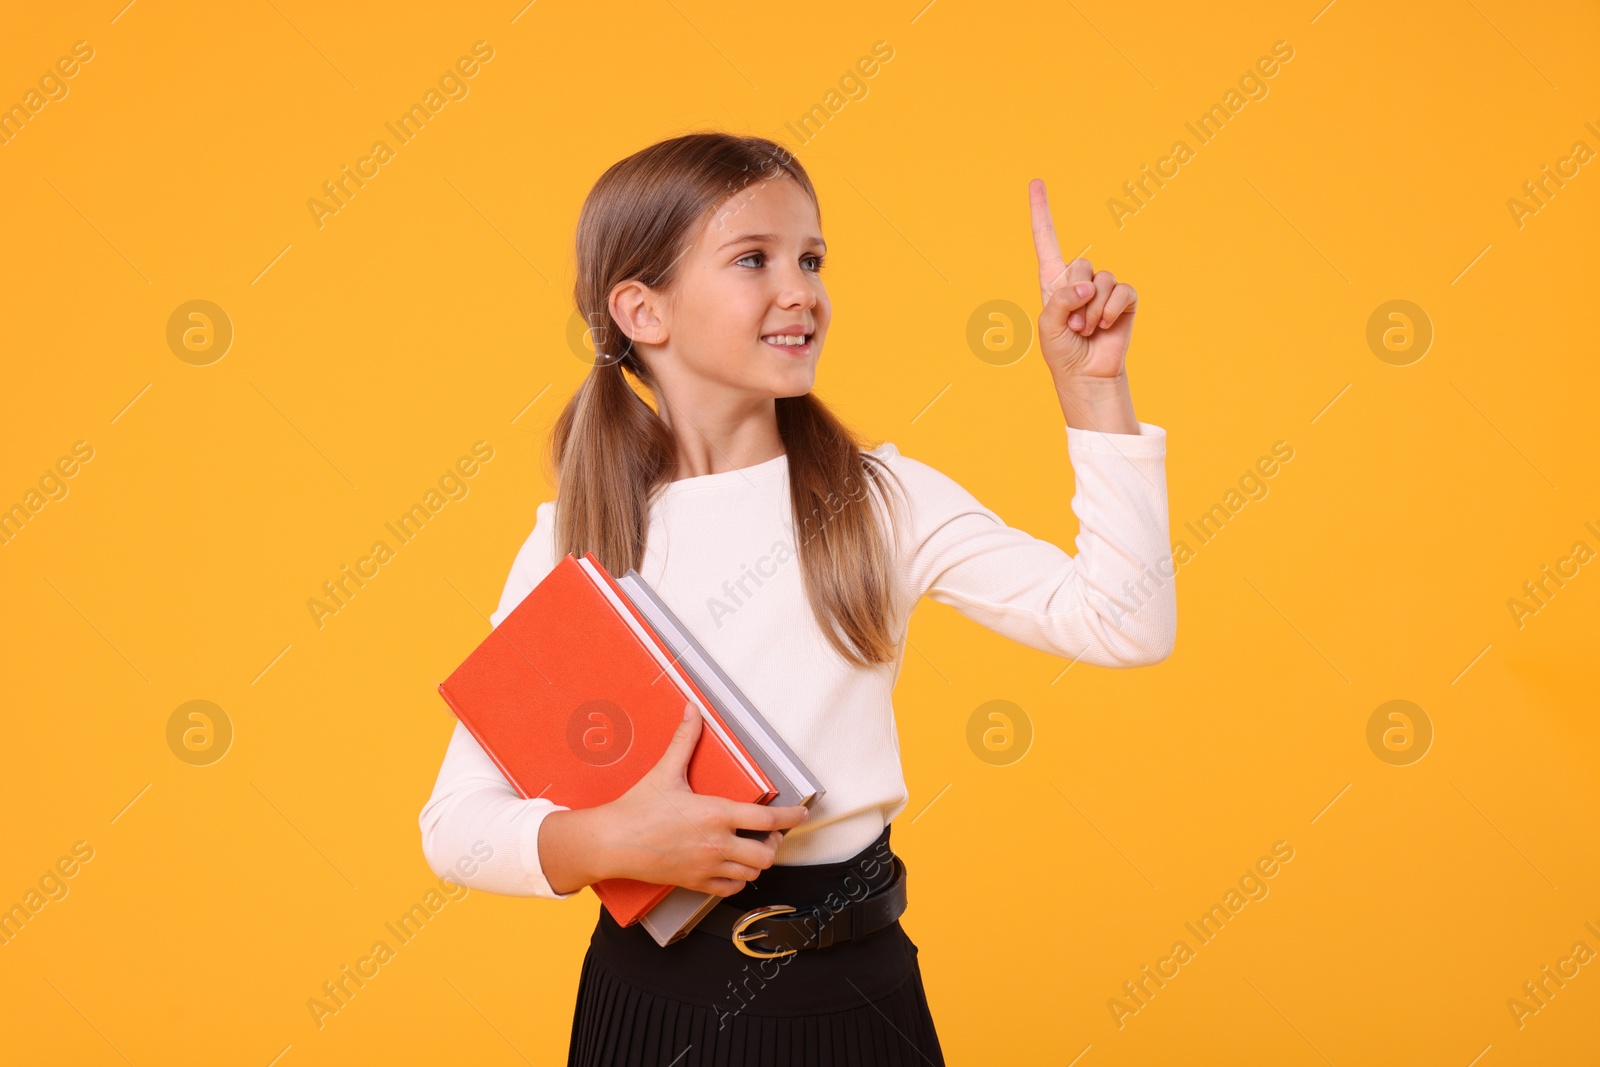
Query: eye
x=817, y=259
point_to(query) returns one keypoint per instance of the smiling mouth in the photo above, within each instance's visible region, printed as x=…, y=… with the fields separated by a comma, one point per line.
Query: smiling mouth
x=786, y=344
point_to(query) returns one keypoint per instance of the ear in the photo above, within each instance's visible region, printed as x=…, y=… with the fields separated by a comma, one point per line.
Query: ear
x=640, y=312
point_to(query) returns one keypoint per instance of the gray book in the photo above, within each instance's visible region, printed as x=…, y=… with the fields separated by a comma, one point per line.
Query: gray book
x=682, y=908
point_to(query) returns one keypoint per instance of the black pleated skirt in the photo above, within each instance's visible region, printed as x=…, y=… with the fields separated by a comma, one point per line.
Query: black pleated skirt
x=702, y=1003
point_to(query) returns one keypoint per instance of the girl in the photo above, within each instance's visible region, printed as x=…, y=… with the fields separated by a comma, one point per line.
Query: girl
x=795, y=557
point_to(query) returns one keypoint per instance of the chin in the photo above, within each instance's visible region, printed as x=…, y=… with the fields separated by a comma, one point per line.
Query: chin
x=798, y=385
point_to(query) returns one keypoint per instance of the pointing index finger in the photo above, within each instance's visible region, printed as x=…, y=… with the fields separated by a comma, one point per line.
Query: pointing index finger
x=1052, y=270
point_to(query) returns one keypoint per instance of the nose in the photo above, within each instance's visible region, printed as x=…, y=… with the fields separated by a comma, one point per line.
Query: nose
x=798, y=289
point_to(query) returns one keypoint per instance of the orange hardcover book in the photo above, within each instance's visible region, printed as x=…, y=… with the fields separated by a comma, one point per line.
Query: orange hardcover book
x=575, y=698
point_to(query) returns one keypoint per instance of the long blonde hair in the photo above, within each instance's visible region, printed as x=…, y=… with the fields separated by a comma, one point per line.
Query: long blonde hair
x=611, y=451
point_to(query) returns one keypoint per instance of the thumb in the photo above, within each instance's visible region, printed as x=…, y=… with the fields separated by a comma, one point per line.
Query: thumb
x=1064, y=300
x=674, y=761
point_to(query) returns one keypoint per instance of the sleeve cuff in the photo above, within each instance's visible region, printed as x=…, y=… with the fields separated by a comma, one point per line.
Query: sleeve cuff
x=1151, y=440
x=530, y=854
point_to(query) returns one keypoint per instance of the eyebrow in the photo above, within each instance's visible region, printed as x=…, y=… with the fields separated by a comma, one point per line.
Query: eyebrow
x=740, y=238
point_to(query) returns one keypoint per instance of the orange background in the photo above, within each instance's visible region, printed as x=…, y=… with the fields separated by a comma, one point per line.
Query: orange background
x=431, y=312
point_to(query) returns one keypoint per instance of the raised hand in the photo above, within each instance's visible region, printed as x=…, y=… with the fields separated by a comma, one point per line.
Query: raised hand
x=1086, y=319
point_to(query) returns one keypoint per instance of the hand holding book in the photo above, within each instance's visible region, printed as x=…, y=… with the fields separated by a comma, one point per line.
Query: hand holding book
x=663, y=832
x=578, y=697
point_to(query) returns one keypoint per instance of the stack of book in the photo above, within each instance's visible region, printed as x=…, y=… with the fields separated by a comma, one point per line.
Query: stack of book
x=576, y=696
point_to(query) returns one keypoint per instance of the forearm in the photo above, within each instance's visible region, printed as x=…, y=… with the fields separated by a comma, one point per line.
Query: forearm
x=1103, y=404
x=573, y=848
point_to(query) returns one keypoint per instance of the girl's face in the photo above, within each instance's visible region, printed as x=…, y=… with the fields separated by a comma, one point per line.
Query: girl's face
x=747, y=289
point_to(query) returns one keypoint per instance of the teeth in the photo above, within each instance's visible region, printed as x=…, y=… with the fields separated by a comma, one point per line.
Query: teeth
x=785, y=339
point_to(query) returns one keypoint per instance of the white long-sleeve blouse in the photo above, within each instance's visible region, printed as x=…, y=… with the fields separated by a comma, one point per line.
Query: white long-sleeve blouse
x=721, y=551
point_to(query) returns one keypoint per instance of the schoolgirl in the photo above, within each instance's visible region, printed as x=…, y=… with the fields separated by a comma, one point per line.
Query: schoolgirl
x=696, y=452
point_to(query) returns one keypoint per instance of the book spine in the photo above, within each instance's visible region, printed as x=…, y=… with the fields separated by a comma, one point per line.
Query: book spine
x=760, y=777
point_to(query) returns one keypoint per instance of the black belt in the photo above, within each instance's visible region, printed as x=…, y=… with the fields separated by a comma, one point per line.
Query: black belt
x=784, y=930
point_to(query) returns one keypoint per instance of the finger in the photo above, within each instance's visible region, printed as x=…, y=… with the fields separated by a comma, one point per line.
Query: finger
x=675, y=760
x=1122, y=304
x=1104, y=283
x=739, y=871
x=722, y=887
x=1079, y=272
x=1062, y=307
x=765, y=817
x=1045, y=246
x=753, y=852
x=748, y=853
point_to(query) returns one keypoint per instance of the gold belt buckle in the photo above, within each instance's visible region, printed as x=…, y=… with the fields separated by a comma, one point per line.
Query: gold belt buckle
x=754, y=914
